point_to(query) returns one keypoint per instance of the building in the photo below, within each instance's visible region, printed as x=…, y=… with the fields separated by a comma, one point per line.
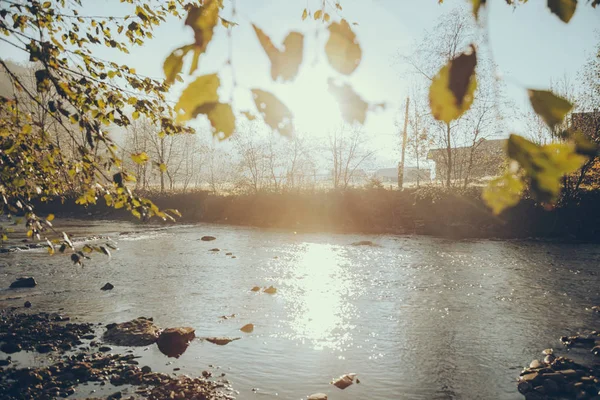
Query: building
x=484, y=159
x=411, y=175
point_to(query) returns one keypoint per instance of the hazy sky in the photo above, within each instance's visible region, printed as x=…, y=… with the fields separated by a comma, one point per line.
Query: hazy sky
x=530, y=46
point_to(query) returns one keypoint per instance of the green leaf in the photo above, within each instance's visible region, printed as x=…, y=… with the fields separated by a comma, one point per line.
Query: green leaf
x=564, y=9
x=174, y=63
x=139, y=158
x=544, y=165
x=503, y=192
x=352, y=106
x=284, y=63
x=202, y=91
x=549, y=106
x=452, y=90
x=274, y=112
x=342, y=48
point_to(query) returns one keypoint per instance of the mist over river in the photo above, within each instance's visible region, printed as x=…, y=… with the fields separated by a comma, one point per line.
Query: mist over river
x=415, y=317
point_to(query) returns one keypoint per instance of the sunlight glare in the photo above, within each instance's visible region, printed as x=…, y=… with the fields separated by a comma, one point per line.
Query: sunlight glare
x=322, y=315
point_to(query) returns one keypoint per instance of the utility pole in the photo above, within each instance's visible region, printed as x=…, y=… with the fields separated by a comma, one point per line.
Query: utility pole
x=404, y=134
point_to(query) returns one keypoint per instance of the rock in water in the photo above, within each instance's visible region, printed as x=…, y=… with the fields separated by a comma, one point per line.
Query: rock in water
x=27, y=304
x=208, y=238
x=138, y=332
x=24, y=282
x=344, y=381
x=174, y=341
x=317, y=396
x=108, y=286
x=10, y=347
x=221, y=341
x=215, y=249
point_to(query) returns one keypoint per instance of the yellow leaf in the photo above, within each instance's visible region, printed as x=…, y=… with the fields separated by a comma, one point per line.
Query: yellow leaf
x=202, y=20
x=202, y=91
x=342, y=48
x=29, y=233
x=284, y=64
x=274, y=112
x=564, y=9
x=304, y=14
x=550, y=107
x=162, y=167
x=50, y=217
x=318, y=14
x=221, y=118
x=326, y=17
x=352, y=106
x=247, y=328
x=452, y=90
x=174, y=63
x=139, y=158
x=503, y=192
x=544, y=165
x=135, y=115
x=26, y=129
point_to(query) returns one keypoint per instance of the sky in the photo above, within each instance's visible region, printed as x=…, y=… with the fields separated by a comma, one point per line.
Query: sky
x=530, y=45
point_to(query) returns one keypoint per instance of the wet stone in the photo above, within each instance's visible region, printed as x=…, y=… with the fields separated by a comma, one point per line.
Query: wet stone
x=535, y=364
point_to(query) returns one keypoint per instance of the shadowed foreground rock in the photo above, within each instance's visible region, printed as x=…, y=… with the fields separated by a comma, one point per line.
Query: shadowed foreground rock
x=173, y=342
x=138, y=332
x=62, y=379
x=41, y=332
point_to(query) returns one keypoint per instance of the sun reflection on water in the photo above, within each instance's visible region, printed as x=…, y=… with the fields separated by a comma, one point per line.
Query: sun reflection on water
x=321, y=313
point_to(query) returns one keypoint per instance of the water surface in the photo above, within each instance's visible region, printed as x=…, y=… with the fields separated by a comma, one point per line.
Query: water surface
x=415, y=317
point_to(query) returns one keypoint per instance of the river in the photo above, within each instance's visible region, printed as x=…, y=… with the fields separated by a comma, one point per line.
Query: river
x=415, y=317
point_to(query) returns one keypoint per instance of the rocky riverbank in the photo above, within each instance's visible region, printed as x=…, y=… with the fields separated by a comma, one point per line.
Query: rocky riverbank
x=557, y=377
x=77, y=360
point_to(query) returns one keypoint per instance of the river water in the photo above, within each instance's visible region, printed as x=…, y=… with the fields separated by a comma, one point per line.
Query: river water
x=415, y=317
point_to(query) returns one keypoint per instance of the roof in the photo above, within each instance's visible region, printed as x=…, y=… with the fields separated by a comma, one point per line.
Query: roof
x=482, y=144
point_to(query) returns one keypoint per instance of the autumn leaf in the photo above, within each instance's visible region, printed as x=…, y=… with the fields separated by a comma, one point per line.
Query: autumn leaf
x=202, y=91
x=274, y=112
x=249, y=116
x=318, y=15
x=503, y=192
x=139, y=158
x=284, y=63
x=203, y=19
x=342, y=48
x=221, y=118
x=549, y=106
x=544, y=165
x=352, y=106
x=564, y=9
x=452, y=89
x=477, y=4
x=304, y=14
x=174, y=63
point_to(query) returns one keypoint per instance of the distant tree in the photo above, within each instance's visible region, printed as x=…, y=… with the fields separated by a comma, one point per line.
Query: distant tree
x=348, y=152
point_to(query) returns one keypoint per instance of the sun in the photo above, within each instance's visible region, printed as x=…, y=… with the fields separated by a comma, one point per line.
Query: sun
x=316, y=112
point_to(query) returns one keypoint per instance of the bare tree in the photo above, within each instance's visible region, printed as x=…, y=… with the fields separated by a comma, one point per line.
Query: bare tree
x=348, y=152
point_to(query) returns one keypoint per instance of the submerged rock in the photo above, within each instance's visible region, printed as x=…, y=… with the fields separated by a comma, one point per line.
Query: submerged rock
x=173, y=342
x=24, y=282
x=208, y=238
x=317, y=396
x=108, y=286
x=138, y=332
x=215, y=249
x=27, y=304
